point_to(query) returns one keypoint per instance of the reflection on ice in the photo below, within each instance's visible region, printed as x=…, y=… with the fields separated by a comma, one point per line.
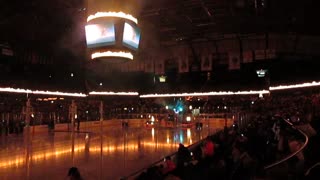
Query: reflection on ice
x=115, y=152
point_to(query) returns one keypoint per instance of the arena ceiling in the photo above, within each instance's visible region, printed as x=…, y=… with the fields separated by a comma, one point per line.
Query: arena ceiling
x=206, y=20
x=51, y=25
x=39, y=24
x=53, y=22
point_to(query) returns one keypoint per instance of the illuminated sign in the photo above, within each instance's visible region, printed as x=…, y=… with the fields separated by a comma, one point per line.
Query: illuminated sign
x=113, y=14
x=120, y=54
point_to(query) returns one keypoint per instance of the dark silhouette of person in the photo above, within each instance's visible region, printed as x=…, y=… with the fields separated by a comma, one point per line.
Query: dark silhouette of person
x=78, y=124
x=170, y=165
x=183, y=156
x=74, y=174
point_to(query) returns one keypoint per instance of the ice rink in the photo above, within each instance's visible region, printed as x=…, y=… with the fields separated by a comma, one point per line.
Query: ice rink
x=105, y=151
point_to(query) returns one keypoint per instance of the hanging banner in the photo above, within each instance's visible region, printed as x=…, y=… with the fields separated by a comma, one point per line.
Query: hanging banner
x=271, y=54
x=159, y=67
x=259, y=54
x=234, y=61
x=206, y=62
x=7, y=52
x=183, y=64
x=34, y=58
x=247, y=56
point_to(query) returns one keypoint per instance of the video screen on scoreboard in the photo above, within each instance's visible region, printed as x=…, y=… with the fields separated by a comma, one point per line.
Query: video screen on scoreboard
x=261, y=72
x=131, y=36
x=99, y=35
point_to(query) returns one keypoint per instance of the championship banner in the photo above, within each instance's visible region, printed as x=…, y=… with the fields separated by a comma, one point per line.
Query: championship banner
x=159, y=67
x=259, y=54
x=234, y=61
x=247, y=56
x=7, y=52
x=206, y=62
x=183, y=64
x=34, y=58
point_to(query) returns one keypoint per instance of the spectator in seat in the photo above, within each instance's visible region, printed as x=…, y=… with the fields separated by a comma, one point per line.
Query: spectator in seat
x=74, y=174
x=297, y=163
x=208, y=148
x=243, y=165
x=183, y=156
x=169, y=165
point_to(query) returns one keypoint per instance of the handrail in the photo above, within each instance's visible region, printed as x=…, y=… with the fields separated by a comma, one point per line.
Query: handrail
x=293, y=154
x=265, y=168
x=157, y=162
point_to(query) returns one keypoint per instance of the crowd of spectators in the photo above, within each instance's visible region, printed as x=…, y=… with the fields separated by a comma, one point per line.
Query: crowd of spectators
x=46, y=110
x=235, y=154
x=246, y=153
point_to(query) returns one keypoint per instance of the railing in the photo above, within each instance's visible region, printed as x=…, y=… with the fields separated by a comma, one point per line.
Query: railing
x=172, y=155
x=268, y=167
x=133, y=175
